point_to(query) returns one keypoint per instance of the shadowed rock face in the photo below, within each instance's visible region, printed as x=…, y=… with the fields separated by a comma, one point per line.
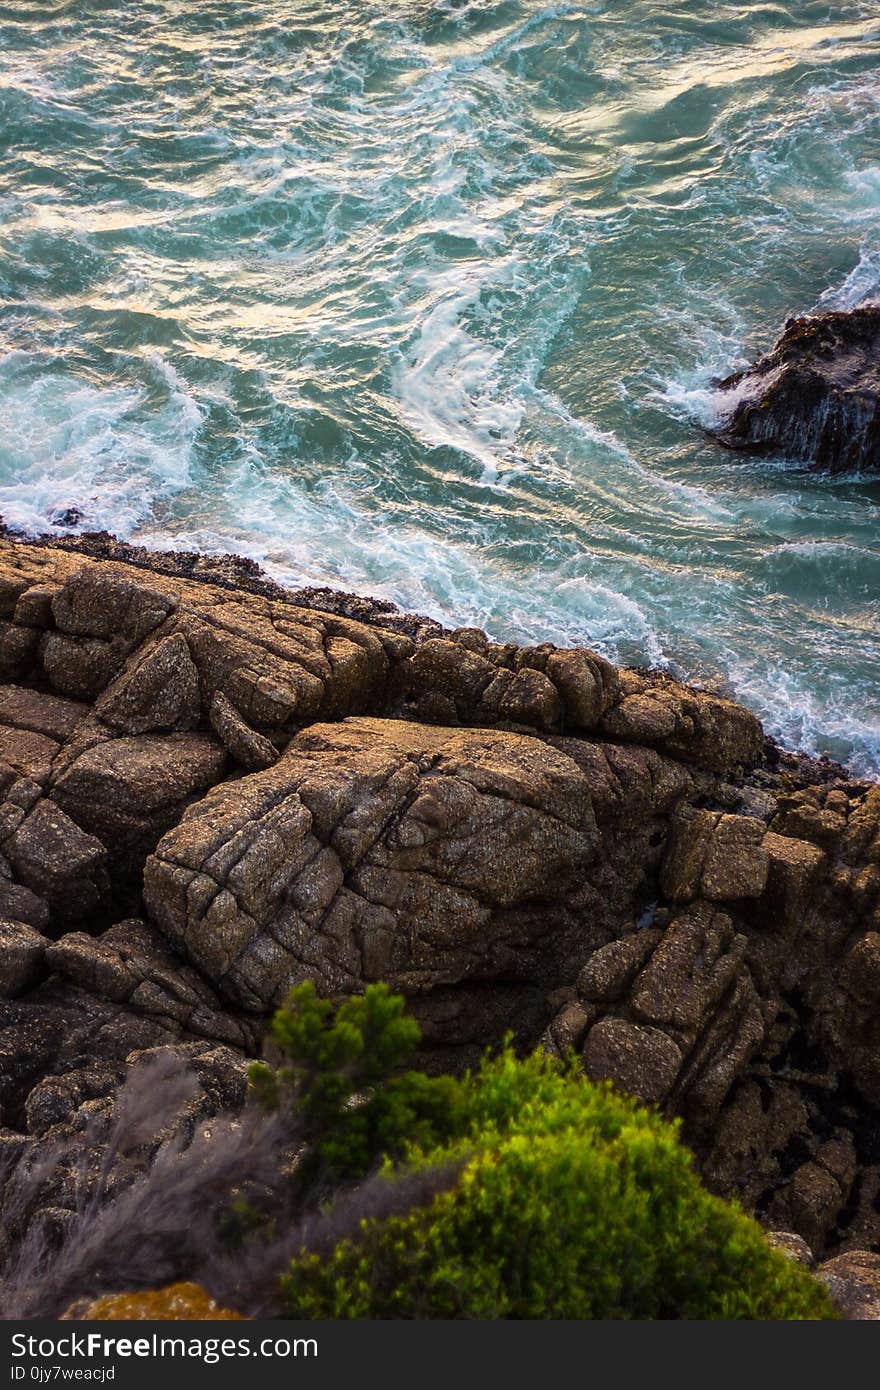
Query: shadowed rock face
x=208, y=794
x=815, y=397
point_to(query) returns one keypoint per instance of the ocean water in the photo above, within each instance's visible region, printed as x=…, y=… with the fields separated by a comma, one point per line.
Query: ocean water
x=423, y=299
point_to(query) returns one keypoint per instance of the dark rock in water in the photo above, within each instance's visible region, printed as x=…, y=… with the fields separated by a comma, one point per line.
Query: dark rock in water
x=71, y=516
x=815, y=397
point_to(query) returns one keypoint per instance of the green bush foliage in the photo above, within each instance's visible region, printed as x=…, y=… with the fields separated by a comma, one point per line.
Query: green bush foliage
x=342, y=1082
x=572, y=1202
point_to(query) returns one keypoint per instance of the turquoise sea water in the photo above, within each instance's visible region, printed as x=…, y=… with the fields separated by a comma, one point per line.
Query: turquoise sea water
x=424, y=300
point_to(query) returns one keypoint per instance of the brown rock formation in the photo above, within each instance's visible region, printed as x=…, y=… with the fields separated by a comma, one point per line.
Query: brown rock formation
x=211, y=789
x=814, y=396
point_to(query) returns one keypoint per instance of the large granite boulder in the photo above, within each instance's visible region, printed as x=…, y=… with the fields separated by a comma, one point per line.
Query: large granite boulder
x=815, y=397
x=378, y=849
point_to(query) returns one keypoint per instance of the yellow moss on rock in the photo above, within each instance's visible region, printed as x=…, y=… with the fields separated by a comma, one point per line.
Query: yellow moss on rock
x=183, y=1302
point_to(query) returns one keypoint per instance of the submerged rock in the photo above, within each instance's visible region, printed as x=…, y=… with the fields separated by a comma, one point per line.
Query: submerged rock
x=815, y=397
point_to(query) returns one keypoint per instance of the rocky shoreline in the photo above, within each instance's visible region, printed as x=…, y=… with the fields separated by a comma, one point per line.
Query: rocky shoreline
x=213, y=788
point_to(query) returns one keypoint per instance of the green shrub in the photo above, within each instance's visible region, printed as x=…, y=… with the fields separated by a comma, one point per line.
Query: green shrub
x=341, y=1081
x=572, y=1203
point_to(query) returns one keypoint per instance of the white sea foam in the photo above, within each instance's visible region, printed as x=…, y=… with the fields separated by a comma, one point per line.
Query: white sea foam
x=689, y=498
x=841, y=721
x=67, y=444
x=330, y=537
x=695, y=398
x=862, y=284
x=448, y=383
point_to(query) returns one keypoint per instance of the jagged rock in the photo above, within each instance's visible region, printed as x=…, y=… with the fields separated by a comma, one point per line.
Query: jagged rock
x=810, y=815
x=278, y=664
x=57, y=860
x=813, y=1199
x=56, y=1099
x=853, y=1281
x=610, y=971
x=18, y=650
x=643, y=718
x=57, y=1029
x=735, y=859
x=523, y=698
x=453, y=672
x=159, y=689
x=717, y=857
x=22, y=950
x=127, y=791
x=640, y=1061
x=281, y=666
x=275, y=677
x=847, y=1017
x=568, y=1028
x=33, y=607
x=861, y=1217
x=18, y=796
x=668, y=1015
x=860, y=970
x=40, y=713
x=555, y=869
x=703, y=729
x=95, y=1128
x=19, y=904
x=689, y=973
x=460, y=1021
x=80, y=667
x=587, y=684
x=131, y=964
x=814, y=397
x=64, y=1104
x=242, y=743
x=794, y=870
x=548, y=689
x=752, y=1132
x=861, y=841
x=109, y=606
x=27, y=753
